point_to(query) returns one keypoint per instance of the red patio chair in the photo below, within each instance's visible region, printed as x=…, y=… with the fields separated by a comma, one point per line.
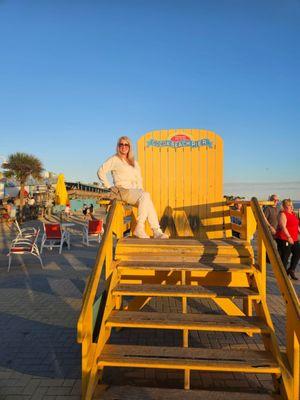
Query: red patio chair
x=92, y=231
x=54, y=236
x=22, y=245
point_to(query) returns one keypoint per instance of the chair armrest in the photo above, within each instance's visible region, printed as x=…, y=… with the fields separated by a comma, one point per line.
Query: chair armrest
x=23, y=241
x=28, y=228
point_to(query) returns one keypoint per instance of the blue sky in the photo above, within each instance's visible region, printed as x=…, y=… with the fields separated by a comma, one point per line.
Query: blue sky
x=75, y=75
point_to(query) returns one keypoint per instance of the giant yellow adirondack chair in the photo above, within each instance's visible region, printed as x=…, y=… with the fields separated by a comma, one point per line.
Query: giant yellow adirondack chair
x=203, y=266
x=183, y=171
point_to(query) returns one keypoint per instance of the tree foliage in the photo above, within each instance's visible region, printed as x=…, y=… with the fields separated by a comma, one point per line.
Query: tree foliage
x=21, y=166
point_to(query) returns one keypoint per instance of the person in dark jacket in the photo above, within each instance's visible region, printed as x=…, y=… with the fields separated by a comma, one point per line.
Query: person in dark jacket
x=271, y=213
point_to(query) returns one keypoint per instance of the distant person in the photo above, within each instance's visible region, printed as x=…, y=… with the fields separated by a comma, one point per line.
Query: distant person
x=234, y=219
x=85, y=210
x=287, y=237
x=31, y=205
x=11, y=210
x=91, y=211
x=127, y=180
x=68, y=210
x=48, y=206
x=271, y=213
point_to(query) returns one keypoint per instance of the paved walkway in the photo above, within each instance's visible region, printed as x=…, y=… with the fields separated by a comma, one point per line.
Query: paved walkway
x=39, y=355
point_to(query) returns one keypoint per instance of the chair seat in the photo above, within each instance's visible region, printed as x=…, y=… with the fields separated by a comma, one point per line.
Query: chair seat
x=25, y=245
x=20, y=249
x=54, y=236
x=92, y=231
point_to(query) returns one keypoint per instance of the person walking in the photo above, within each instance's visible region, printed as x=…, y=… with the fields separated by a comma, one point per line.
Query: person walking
x=287, y=237
x=271, y=214
x=85, y=210
x=127, y=178
x=31, y=205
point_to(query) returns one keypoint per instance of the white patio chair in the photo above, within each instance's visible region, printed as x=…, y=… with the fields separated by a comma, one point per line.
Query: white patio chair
x=22, y=245
x=25, y=232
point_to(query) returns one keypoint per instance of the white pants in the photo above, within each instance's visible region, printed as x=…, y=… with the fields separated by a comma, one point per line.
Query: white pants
x=146, y=210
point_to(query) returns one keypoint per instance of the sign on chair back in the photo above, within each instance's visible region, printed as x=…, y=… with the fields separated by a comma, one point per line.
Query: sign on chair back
x=183, y=171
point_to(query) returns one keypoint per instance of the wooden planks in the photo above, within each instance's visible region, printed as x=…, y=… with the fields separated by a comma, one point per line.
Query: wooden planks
x=201, y=322
x=183, y=257
x=186, y=242
x=185, y=291
x=184, y=266
x=183, y=247
x=188, y=358
x=183, y=171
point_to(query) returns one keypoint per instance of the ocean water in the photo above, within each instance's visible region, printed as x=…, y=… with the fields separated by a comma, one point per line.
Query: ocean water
x=262, y=190
x=296, y=204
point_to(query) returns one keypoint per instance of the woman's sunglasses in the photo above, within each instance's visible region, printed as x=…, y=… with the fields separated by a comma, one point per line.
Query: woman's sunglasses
x=123, y=145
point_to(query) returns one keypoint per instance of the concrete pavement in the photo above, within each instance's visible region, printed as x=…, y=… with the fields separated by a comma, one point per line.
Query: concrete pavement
x=39, y=355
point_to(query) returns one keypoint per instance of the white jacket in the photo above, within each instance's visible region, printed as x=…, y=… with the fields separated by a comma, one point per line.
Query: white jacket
x=123, y=174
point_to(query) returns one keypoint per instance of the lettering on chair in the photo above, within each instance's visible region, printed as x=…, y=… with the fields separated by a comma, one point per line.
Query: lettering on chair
x=180, y=140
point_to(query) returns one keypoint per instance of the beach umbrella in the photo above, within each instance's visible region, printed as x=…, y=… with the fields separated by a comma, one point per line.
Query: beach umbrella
x=61, y=194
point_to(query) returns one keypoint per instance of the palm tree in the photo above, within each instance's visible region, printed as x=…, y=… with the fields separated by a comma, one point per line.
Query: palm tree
x=21, y=166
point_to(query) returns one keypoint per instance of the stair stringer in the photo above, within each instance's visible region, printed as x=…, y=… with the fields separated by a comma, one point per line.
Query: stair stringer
x=104, y=334
x=271, y=343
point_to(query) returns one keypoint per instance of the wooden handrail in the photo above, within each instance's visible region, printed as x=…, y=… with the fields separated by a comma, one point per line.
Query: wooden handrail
x=92, y=285
x=248, y=202
x=290, y=385
x=285, y=286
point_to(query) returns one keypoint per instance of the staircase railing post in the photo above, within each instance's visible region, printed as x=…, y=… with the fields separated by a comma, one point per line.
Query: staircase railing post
x=293, y=352
x=108, y=255
x=249, y=222
x=261, y=262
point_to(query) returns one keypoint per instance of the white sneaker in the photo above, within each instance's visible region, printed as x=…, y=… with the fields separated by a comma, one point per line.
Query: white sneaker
x=140, y=232
x=159, y=234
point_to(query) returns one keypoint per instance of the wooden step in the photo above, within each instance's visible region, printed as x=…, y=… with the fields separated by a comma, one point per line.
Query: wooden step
x=129, y=255
x=201, y=322
x=185, y=291
x=184, y=247
x=184, y=266
x=149, y=393
x=249, y=361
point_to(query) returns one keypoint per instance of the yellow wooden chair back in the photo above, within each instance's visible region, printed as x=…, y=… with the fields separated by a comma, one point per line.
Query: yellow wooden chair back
x=183, y=171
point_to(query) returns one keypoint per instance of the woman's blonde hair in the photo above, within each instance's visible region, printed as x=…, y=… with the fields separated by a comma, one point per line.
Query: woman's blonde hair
x=286, y=202
x=130, y=155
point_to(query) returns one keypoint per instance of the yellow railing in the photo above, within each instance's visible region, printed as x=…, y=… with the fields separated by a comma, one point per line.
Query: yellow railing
x=115, y=227
x=266, y=244
x=247, y=226
x=252, y=220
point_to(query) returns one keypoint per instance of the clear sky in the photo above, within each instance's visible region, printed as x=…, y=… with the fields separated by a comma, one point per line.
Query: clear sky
x=77, y=74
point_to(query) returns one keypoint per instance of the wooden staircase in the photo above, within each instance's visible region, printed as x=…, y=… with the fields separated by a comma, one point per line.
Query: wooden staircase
x=183, y=315
x=221, y=271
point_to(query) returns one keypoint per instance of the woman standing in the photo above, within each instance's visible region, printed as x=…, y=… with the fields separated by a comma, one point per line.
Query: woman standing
x=127, y=178
x=287, y=237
